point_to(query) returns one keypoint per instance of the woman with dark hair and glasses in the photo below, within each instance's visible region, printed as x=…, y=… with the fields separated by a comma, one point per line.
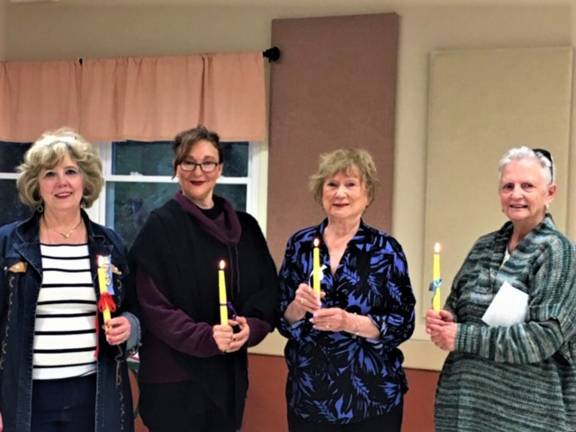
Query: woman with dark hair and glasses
x=193, y=373
x=508, y=322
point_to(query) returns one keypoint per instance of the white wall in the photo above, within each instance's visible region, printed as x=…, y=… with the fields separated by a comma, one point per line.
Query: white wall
x=60, y=31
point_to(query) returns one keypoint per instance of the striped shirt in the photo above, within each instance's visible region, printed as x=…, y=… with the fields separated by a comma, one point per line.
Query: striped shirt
x=65, y=328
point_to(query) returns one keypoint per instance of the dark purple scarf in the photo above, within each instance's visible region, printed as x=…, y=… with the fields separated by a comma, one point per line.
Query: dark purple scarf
x=225, y=228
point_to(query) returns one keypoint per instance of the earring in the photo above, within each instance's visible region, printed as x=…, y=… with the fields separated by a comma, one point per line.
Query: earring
x=40, y=207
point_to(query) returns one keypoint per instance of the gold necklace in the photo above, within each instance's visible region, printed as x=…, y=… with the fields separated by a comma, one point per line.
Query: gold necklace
x=65, y=235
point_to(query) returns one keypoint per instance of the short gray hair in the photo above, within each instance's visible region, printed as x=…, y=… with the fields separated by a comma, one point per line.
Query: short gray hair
x=519, y=153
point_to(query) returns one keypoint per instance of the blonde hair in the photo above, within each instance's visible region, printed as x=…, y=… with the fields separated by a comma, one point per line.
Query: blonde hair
x=345, y=160
x=47, y=152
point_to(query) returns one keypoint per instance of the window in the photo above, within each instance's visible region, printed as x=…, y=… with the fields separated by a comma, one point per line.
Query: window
x=138, y=179
x=12, y=209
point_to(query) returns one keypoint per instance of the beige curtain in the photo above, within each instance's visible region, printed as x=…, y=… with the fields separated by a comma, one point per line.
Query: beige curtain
x=235, y=100
x=144, y=98
x=36, y=96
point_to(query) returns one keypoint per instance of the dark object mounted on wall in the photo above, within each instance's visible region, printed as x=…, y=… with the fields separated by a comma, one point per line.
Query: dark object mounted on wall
x=272, y=54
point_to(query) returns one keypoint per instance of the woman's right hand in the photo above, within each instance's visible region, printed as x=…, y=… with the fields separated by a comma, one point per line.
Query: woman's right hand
x=222, y=335
x=435, y=319
x=304, y=301
x=442, y=329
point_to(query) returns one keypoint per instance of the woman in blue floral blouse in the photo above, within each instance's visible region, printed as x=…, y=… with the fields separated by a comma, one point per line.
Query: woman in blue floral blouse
x=345, y=368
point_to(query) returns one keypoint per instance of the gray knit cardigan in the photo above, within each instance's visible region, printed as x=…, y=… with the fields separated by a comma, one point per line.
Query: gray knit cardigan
x=520, y=378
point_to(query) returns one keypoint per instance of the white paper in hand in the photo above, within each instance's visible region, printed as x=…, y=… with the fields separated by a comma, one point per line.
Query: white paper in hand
x=509, y=306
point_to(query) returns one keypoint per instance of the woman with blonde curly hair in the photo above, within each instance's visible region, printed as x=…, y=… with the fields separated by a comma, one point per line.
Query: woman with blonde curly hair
x=58, y=370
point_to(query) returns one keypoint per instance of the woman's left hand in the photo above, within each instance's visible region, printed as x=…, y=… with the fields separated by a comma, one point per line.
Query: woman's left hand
x=117, y=330
x=240, y=338
x=330, y=319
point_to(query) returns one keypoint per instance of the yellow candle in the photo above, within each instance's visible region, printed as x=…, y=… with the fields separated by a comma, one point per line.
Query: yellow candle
x=104, y=279
x=316, y=272
x=222, y=294
x=436, y=278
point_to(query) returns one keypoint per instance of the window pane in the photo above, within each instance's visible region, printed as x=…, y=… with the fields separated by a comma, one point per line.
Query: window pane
x=11, y=155
x=129, y=204
x=12, y=208
x=155, y=158
x=234, y=193
x=146, y=158
x=235, y=159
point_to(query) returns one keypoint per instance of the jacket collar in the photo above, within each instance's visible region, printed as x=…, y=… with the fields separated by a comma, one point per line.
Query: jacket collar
x=27, y=239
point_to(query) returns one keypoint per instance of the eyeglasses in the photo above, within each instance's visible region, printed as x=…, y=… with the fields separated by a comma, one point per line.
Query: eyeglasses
x=206, y=167
x=546, y=155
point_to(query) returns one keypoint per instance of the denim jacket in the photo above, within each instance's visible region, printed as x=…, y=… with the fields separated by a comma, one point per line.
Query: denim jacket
x=20, y=280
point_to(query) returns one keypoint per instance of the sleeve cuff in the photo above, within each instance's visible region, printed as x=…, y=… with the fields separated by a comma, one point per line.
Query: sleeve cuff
x=467, y=338
x=258, y=330
x=380, y=323
x=293, y=330
x=135, y=337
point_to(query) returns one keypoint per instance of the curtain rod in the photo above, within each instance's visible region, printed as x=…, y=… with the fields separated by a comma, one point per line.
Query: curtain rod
x=272, y=54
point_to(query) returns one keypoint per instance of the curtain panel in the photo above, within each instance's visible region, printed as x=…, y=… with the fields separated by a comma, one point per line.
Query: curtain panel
x=136, y=98
x=36, y=96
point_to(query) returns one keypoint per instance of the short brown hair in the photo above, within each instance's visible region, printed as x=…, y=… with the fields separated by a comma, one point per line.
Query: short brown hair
x=186, y=139
x=344, y=160
x=47, y=152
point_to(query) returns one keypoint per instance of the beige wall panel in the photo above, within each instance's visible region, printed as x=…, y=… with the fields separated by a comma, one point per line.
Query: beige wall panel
x=481, y=103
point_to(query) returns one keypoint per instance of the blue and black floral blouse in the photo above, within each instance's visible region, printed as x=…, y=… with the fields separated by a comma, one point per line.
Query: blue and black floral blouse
x=336, y=377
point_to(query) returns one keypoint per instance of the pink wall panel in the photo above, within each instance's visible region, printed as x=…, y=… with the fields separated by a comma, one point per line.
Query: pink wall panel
x=334, y=86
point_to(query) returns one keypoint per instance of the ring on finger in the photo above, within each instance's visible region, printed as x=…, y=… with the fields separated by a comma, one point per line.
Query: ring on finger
x=301, y=300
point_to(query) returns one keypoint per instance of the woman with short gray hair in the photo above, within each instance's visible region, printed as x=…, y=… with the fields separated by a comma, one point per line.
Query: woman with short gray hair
x=508, y=323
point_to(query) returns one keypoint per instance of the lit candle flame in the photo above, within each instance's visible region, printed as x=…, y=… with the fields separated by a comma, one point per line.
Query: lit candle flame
x=437, y=247
x=316, y=242
x=222, y=264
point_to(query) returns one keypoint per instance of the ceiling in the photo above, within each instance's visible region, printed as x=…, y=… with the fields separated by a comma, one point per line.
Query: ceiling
x=294, y=2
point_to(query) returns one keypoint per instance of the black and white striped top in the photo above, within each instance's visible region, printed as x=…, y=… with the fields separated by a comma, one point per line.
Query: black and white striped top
x=65, y=330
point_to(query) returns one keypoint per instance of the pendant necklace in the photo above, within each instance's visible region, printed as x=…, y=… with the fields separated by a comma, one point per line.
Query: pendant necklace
x=65, y=234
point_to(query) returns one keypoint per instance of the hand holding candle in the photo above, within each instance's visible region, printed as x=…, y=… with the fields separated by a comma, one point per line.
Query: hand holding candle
x=436, y=279
x=106, y=303
x=316, y=270
x=222, y=294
